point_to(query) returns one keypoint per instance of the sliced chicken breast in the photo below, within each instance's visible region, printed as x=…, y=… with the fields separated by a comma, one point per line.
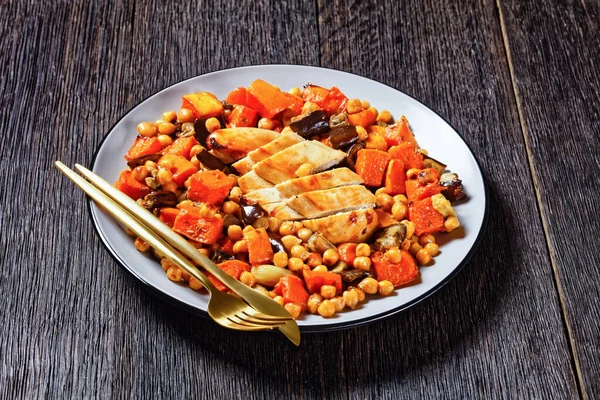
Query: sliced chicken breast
x=244, y=165
x=232, y=144
x=324, y=180
x=282, y=211
x=351, y=226
x=281, y=143
x=283, y=165
x=251, y=181
x=321, y=203
x=264, y=196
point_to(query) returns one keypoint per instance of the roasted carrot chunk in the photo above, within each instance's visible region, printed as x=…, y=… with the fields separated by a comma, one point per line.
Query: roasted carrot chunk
x=192, y=224
x=237, y=96
x=181, y=168
x=426, y=218
x=417, y=191
x=260, y=250
x=395, y=178
x=296, y=103
x=130, y=186
x=144, y=146
x=209, y=187
x=168, y=215
x=315, y=279
x=400, y=133
x=406, y=153
x=363, y=118
x=202, y=104
x=266, y=99
x=181, y=146
x=233, y=268
x=242, y=116
x=371, y=166
x=291, y=288
x=399, y=274
x=329, y=100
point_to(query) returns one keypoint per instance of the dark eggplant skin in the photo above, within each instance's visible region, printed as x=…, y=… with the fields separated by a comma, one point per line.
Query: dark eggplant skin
x=219, y=256
x=343, y=136
x=251, y=213
x=201, y=133
x=136, y=162
x=352, y=275
x=429, y=162
x=210, y=161
x=276, y=242
x=392, y=236
x=315, y=123
x=351, y=154
x=160, y=198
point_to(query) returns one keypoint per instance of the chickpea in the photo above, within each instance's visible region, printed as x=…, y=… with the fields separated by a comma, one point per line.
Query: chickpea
x=432, y=248
x=165, y=140
x=280, y=259
x=360, y=293
x=248, y=228
x=384, y=116
x=241, y=246
x=412, y=173
x=293, y=309
x=212, y=124
x=140, y=173
x=363, y=250
x=290, y=241
x=165, y=128
x=195, y=150
x=399, y=211
x=151, y=166
x=313, y=302
x=350, y=299
x=410, y=228
x=169, y=116
x=279, y=300
x=401, y=199
x=298, y=225
x=320, y=268
x=328, y=291
x=164, y=176
x=309, y=107
x=247, y=278
x=304, y=170
x=185, y=115
x=384, y=201
x=174, y=274
x=354, y=106
x=165, y=263
x=286, y=116
x=362, y=133
x=365, y=104
x=295, y=91
x=423, y=257
x=234, y=232
x=231, y=208
x=369, y=285
x=330, y=257
x=385, y=288
x=287, y=228
x=423, y=240
x=141, y=245
x=326, y=309
x=267, y=123
x=362, y=263
x=314, y=260
x=415, y=247
x=295, y=264
x=205, y=252
x=235, y=194
x=194, y=284
x=300, y=252
x=339, y=303
x=170, y=187
x=274, y=224
x=147, y=129
x=393, y=255
x=184, y=204
x=261, y=289
x=451, y=223
x=304, y=234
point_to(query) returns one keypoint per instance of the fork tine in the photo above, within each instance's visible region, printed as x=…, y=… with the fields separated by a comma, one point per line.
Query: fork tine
x=246, y=319
x=235, y=322
x=260, y=317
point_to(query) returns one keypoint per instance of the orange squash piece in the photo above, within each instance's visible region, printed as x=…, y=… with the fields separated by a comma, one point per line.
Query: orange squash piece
x=296, y=103
x=143, y=146
x=426, y=218
x=371, y=165
x=181, y=168
x=395, y=178
x=399, y=133
x=406, y=153
x=242, y=116
x=266, y=99
x=192, y=224
x=315, y=279
x=233, y=268
x=130, y=186
x=210, y=187
x=347, y=252
x=181, y=146
x=260, y=250
x=168, y=215
x=202, y=104
x=291, y=288
x=237, y=96
x=400, y=273
x=363, y=118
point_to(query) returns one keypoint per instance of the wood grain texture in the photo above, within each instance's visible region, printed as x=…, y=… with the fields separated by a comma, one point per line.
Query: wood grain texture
x=497, y=328
x=554, y=54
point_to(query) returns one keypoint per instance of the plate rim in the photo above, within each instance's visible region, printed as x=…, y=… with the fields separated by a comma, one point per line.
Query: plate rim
x=303, y=328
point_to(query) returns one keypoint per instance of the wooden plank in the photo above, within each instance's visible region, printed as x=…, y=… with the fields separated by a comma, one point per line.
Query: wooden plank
x=496, y=331
x=73, y=324
x=554, y=52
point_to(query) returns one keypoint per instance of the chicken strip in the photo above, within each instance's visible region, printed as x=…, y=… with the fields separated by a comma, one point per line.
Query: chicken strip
x=232, y=144
x=264, y=196
x=251, y=181
x=321, y=203
x=324, y=180
x=282, y=211
x=352, y=226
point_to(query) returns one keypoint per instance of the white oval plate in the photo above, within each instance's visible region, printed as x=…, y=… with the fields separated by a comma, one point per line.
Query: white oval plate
x=431, y=131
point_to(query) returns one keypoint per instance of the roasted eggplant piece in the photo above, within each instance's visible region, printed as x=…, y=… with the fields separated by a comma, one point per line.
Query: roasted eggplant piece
x=229, y=220
x=429, y=162
x=251, y=213
x=136, y=162
x=319, y=243
x=351, y=154
x=200, y=131
x=392, y=236
x=453, y=187
x=210, y=161
x=343, y=136
x=219, y=256
x=276, y=243
x=315, y=123
x=159, y=198
x=352, y=275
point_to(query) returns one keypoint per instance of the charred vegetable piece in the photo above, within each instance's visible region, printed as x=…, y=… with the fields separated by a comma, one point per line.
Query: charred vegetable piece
x=453, y=188
x=160, y=198
x=429, y=162
x=343, y=136
x=392, y=236
x=319, y=243
x=250, y=213
x=210, y=161
x=315, y=123
x=136, y=162
x=352, y=275
x=220, y=256
x=262, y=222
x=352, y=153
x=200, y=131
x=229, y=220
x=276, y=243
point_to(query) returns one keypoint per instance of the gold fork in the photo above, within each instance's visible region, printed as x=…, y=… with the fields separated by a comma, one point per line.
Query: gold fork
x=257, y=300
x=227, y=310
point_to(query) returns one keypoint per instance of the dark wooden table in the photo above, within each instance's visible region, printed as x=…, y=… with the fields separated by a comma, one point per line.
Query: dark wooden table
x=519, y=80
